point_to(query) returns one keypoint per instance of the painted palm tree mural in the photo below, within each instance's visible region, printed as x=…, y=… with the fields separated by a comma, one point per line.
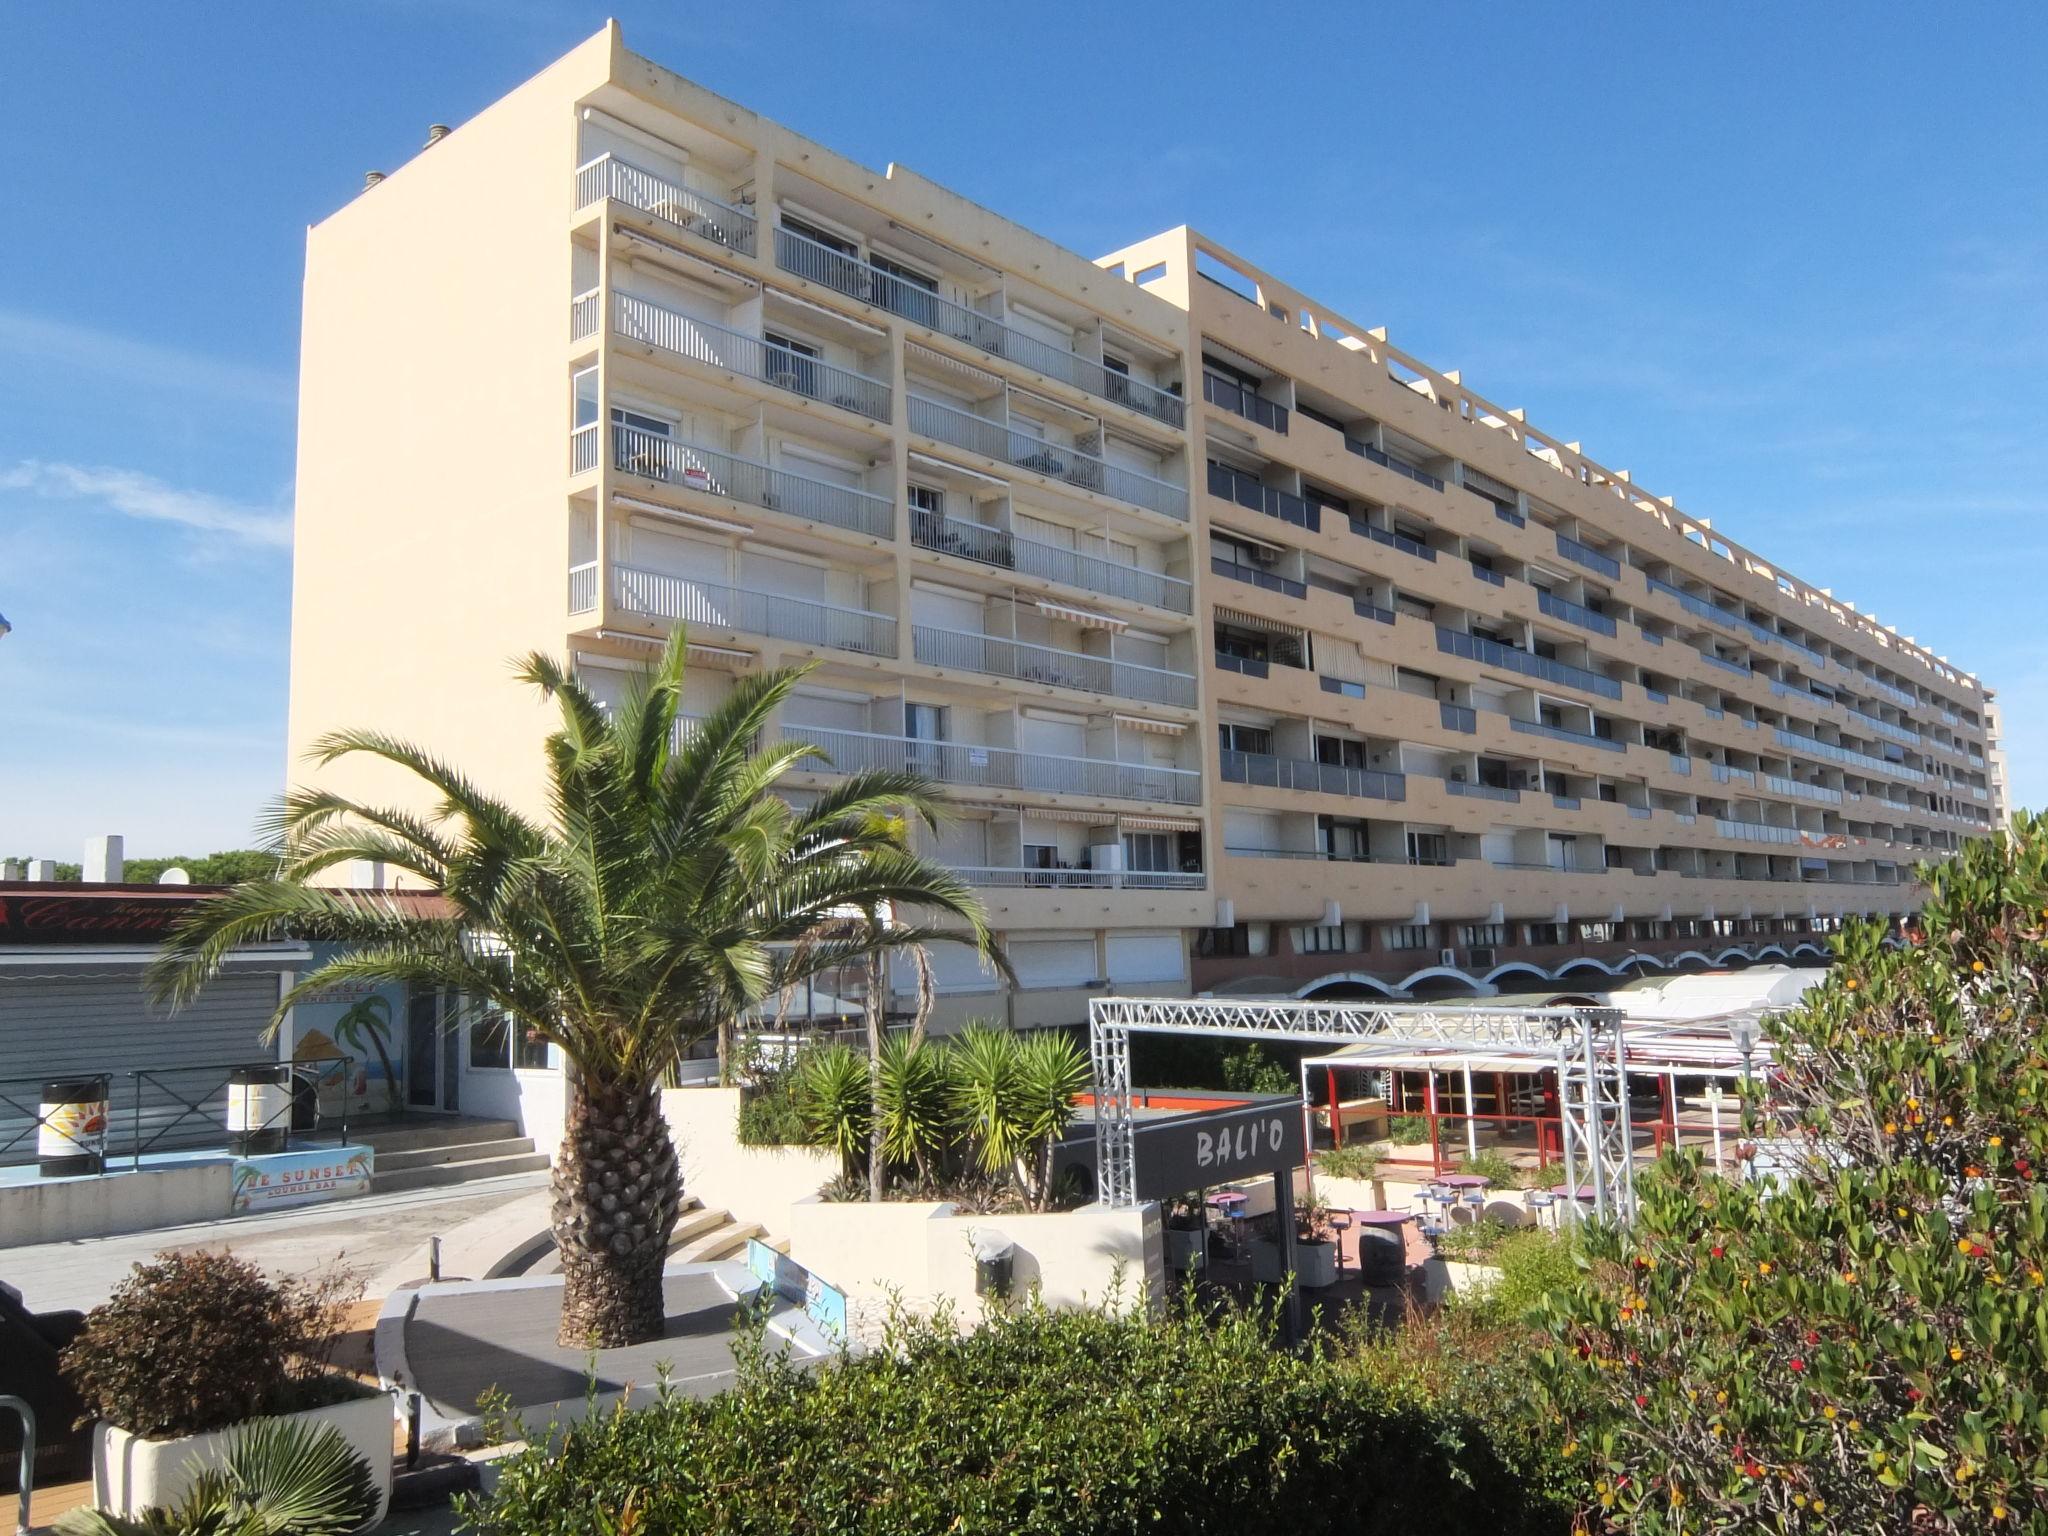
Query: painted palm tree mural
x=365, y=1030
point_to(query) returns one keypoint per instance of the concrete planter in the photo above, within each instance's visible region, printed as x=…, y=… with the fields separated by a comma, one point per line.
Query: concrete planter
x=1315, y=1265
x=131, y=1473
x=1186, y=1249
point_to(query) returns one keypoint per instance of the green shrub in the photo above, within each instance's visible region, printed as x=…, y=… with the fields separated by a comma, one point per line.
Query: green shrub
x=1861, y=1344
x=191, y=1342
x=1351, y=1160
x=1495, y=1167
x=1256, y=1070
x=1407, y=1130
x=276, y=1477
x=1473, y=1242
x=1535, y=1264
x=1039, y=1423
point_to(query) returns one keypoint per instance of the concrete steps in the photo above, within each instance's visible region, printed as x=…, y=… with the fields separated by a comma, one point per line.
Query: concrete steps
x=722, y=1242
x=454, y=1152
x=440, y=1175
x=435, y=1153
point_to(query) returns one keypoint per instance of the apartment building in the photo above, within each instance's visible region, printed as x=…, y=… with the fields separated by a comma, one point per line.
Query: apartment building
x=1483, y=709
x=618, y=355
x=1250, y=653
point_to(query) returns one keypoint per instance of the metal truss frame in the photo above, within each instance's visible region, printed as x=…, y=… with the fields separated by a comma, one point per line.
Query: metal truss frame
x=1584, y=1046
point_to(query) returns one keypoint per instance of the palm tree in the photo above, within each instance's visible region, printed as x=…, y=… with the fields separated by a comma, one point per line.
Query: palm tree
x=669, y=890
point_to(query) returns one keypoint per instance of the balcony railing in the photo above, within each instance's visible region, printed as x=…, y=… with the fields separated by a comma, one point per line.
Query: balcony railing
x=999, y=656
x=1725, y=665
x=1589, y=557
x=1779, y=784
x=1722, y=773
x=583, y=587
x=1400, y=541
x=1015, y=552
x=1560, y=733
x=1228, y=395
x=1257, y=577
x=953, y=762
x=1754, y=831
x=668, y=459
x=1246, y=491
x=1829, y=750
x=666, y=199
x=1030, y=877
x=1366, y=608
x=752, y=357
x=1343, y=687
x=585, y=444
x=1885, y=728
x=1491, y=653
x=1456, y=717
x=1317, y=778
x=1488, y=575
x=1398, y=466
x=1244, y=666
x=584, y=310
x=806, y=258
x=707, y=605
x=1574, y=613
x=1471, y=791
x=964, y=429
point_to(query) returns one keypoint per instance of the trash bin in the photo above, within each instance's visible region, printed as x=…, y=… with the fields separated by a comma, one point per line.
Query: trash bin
x=259, y=1109
x=71, y=1127
x=994, y=1260
x=306, y=1097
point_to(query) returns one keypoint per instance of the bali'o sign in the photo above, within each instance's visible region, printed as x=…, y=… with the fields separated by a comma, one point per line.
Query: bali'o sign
x=1249, y=1143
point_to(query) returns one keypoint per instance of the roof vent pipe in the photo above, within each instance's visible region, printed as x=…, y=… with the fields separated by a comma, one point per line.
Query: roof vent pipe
x=436, y=132
x=371, y=178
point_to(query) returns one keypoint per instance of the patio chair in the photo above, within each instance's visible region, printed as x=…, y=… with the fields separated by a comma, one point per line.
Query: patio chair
x=29, y=1345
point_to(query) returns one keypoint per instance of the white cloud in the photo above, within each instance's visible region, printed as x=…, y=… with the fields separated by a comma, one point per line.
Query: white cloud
x=142, y=363
x=134, y=494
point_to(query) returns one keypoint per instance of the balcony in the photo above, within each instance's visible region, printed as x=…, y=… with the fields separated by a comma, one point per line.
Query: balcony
x=1821, y=794
x=952, y=762
x=1244, y=666
x=1575, y=613
x=1343, y=687
x=1234, y=485
x=1456, y=717
x=806, y=258
x=992, y=439
x=1228, y=395
x=1388, y=461
x=1400, y=541
x=706, y=605
x=1589, y=557
x=1559, y=733
x=1754, y=831
x=675, y=462
x=717, y=346
x=668, y=200
x=583, y=587
x=1366, y=608
x=1491, y=653
x=1316, y=778
x=1033, y=878
x=1859, y=760
x=1014, y=552
x=998, y=656
x=1735, y=667
x=1470, y=791
x=1257, y=576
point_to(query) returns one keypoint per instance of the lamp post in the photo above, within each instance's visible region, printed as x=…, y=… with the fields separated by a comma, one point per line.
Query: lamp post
x=1744, y=1033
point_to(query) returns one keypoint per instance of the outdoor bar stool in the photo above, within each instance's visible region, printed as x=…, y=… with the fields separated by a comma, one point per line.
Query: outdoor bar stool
x=1229, y=1204
x=1340, y=1223
x=1540, y=1202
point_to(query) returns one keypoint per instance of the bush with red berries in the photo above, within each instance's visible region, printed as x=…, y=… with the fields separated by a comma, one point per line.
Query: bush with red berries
x=1860, y=1341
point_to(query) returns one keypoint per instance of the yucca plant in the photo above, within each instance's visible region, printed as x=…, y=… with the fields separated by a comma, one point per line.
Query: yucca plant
x=1013, y=1098
x=1052, y=1070
x=916, y=1107
x=277, y=1477
x=831, y=1095
x=666, y=891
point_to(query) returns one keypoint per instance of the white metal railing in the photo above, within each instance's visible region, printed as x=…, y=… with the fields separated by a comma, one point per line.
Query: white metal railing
x=1016, y=552
x=583, y=312
x=583, y=587
x=995, y=440
x=718, y=346
x=954, y=762
x=669, y=459
x=679, y=599
x=999, y=656
x=863, y=280
x=668, y=200
x=1032, y=878
x=583, y=448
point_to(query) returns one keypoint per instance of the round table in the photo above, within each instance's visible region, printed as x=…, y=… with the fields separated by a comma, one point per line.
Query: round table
x=1229, y=1204
x=1382, y=1246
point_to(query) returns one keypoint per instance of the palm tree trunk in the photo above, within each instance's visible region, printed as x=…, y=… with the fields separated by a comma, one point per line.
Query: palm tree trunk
x=875, y=1004
x=617, y=1188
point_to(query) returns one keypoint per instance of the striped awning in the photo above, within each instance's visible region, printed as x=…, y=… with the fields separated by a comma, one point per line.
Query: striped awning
x=1159, y=824
x=1156, y=727
x=941, y=467
x=1243, y=620
x=1081, y=818
x=784, y=296
x=925, y=357
x=1087, y=618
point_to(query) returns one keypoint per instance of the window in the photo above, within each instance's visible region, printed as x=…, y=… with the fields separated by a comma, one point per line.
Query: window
x=1483, y=934
x=792, y=364
x=1546, y=933
x=1408, y=936
x=1245, y=738
x=1338, y=839
x=1429, y=848
x=1326, y=939
x=1041, y=856
x=1223, y=943
x=1148, y=852
x=927, y=499
x=1336, y=752
x=585, y=386
x=1596, y=933
x=529, y=1050
x=811, y=232
x=490, y=1043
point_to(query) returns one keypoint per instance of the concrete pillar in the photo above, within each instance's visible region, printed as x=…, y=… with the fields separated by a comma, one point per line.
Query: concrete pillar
x=42, y=869
x=105, y=860
x=13, y=869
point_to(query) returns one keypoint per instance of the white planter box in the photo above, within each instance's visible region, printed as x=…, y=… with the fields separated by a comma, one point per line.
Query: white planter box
x=1315, y=1265
x=1186, y=1249
x=130, y=1473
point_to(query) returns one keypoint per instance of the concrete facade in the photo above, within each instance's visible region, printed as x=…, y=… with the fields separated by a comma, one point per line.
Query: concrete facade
x=1251, y=652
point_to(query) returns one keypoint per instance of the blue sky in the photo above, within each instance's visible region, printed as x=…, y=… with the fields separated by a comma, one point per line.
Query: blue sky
x=1787, y=264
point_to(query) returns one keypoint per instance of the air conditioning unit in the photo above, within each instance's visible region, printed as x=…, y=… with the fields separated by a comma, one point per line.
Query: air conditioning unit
x=1447, y=957
x=1265, y=556
x=1483, y=959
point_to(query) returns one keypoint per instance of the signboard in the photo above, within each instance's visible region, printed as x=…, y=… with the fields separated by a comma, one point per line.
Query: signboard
x=1178, y=1154
x=91, y=917
x=280, y=1180
x=823, y=1304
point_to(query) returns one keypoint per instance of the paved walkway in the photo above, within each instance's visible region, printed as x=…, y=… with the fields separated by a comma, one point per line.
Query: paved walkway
x=370, y=1233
